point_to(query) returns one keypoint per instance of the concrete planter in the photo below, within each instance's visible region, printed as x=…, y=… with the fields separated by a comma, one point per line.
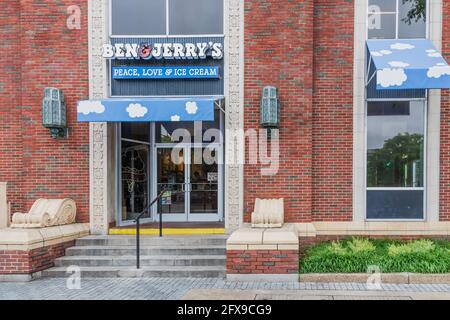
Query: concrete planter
x=386, y=278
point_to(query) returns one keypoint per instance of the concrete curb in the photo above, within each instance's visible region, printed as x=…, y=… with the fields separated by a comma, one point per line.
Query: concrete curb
x=20, y=277
x=389, y=278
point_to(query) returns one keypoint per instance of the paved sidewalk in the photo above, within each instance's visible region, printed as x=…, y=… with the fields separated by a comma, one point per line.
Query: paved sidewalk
x=178, y=288
x=203, y=294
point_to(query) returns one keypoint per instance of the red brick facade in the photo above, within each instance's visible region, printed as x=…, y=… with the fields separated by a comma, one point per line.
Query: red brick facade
x=316, y=92
x=262, y=262
x=303, y=47
x=38, y=51
x=28, y=262
x=332, y=121
x=279, y=52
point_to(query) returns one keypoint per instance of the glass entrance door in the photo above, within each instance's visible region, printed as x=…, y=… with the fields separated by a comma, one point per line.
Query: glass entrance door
x=191, y=177
x=171, y=176
x=204, y=184
x=133, y=159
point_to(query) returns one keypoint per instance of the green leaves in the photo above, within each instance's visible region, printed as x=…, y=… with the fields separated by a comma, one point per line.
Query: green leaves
x=410, y=248
x=356, y=255
x=417, y=12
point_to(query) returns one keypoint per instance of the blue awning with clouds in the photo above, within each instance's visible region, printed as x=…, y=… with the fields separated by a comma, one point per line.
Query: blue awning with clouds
x=148, y=110
x=407, y=64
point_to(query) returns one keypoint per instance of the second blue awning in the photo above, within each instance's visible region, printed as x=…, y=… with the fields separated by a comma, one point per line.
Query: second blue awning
x=148, y=110
x=407, y=64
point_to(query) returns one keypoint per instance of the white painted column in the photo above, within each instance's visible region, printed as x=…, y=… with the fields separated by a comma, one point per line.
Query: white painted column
x=234, y=119
x=359, y=114
x=100, y=133
x=434, y=122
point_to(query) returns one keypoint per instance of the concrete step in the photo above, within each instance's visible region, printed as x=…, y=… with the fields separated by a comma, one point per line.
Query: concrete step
x=163, y=260
x=144, y=272
x=203, y=240
x=145, y=250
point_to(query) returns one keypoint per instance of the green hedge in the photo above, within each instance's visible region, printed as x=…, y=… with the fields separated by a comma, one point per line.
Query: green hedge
x=357, y=255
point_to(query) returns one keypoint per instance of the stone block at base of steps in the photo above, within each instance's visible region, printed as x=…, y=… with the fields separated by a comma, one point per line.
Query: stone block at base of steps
x=144, y=272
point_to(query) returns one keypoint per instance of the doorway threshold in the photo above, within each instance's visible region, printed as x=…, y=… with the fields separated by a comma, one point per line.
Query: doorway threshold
x=172, y=228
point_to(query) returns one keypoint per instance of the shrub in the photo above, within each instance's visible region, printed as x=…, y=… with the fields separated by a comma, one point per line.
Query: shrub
x=414, y=247
x=361, y=246
x=356, y=255
x=337, y=248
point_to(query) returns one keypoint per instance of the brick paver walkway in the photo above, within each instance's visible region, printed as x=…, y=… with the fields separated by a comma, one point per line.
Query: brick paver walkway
x=176, y=288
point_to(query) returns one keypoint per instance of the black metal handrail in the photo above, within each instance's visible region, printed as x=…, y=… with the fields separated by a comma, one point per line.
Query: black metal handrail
x=138, y=226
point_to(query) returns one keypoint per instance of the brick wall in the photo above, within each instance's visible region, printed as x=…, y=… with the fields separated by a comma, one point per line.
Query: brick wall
x=262, y=262
x=278, y=52
x=316, y=134
x=28, y=262
x=445, y=124
x=11, y=149
x=40, y=51
x=332, y=137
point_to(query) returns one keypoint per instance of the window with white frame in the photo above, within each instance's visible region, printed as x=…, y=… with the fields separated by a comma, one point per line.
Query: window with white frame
x=396, y=127
x=166, y=17
x=395, y=159
x=397, y=19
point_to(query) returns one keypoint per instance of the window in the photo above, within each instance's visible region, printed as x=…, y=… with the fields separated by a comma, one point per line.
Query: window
x=395, y=155
x=397, y=19
x=195, y=17
x=204, y=131
x=135, y=166
x=166, y=17
x=395, y=159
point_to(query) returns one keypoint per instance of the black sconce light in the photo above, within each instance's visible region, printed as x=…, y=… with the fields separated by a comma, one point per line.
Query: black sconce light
x=54, y=113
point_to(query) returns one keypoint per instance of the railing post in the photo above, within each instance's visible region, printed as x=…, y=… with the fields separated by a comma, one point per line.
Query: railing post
x=138, y=228
x=160, y=219
x=138, y=240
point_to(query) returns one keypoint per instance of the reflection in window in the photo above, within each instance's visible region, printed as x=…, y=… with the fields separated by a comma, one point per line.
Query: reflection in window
x=204, y=180
x=135, y=188
x=397, y=19
x=395, y=144
x=395, y=158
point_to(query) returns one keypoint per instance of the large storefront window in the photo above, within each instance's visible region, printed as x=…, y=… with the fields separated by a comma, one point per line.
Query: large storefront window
x=397, y=19
x=395, y=159
x=396, y=141
x=166, y=17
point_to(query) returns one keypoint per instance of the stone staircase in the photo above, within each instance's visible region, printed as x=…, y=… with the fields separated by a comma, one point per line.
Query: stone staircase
x=202, y=256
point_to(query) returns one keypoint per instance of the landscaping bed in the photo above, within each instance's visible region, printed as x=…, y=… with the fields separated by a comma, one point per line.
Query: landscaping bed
x=357, y=255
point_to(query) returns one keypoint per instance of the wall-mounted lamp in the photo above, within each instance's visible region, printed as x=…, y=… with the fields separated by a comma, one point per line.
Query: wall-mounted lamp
x=270, y=111
x=54, y=113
